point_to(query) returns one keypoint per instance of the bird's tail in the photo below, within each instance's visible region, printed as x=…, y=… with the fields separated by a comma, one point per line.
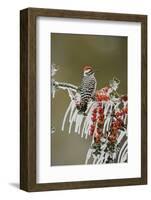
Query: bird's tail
x=82, y=107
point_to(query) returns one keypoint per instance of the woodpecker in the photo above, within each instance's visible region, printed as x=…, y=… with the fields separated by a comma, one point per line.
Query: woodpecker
x=87, y=88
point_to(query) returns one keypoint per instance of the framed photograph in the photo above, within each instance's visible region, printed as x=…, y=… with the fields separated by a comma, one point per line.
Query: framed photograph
x=83, y=92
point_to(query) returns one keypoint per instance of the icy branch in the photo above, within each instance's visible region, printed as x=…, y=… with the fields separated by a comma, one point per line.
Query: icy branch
x=65, y=86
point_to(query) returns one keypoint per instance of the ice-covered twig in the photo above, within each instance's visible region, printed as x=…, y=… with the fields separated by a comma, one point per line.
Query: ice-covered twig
x=65, y=86
x=60, y=85
x=54, y=69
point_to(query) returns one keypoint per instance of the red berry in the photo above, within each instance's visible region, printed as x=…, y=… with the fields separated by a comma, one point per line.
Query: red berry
x=93, y=119
x=100, y=110
x=95, y=110
x=117, y=114
x=92, y=127
x=94, y=115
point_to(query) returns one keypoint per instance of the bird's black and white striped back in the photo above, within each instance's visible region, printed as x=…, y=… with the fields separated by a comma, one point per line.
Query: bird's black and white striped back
x=88, y=87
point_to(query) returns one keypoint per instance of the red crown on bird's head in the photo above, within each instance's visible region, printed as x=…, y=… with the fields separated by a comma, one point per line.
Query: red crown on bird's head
x=87, y=67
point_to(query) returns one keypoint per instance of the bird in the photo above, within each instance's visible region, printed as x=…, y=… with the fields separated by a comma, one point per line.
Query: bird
x=87, y=88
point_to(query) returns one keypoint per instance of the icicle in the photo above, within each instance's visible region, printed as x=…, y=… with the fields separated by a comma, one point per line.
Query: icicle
x=88, y=121
x=86, y=130
x=121, y=151
x=101, y=158
x=88, y=112
x=71, y=112
x=125, y=119
x=106, y=157
x=124, y=156
x=104, y=126
x=114, y=156
x=94, y=159
x=88, y=156
x=70, y=94
x=121, y=135
x=79, y=123
x=66, y=114
x=107, y=124
x=91, y=103
x=73, y=119
x=92, y=142
x=106, y=108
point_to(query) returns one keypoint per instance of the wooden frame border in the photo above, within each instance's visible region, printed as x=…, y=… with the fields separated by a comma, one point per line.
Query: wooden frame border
x=28, y=98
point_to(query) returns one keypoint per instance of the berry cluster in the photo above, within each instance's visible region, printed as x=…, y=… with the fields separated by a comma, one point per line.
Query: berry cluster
x=97, y=123
x=121, y=112
x=97, y=119
x=101, y=95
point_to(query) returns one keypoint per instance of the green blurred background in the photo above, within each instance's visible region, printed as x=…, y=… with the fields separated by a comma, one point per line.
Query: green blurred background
x=108, y=56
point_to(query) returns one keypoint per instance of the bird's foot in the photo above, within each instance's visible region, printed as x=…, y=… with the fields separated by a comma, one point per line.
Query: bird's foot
x=82, y=113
